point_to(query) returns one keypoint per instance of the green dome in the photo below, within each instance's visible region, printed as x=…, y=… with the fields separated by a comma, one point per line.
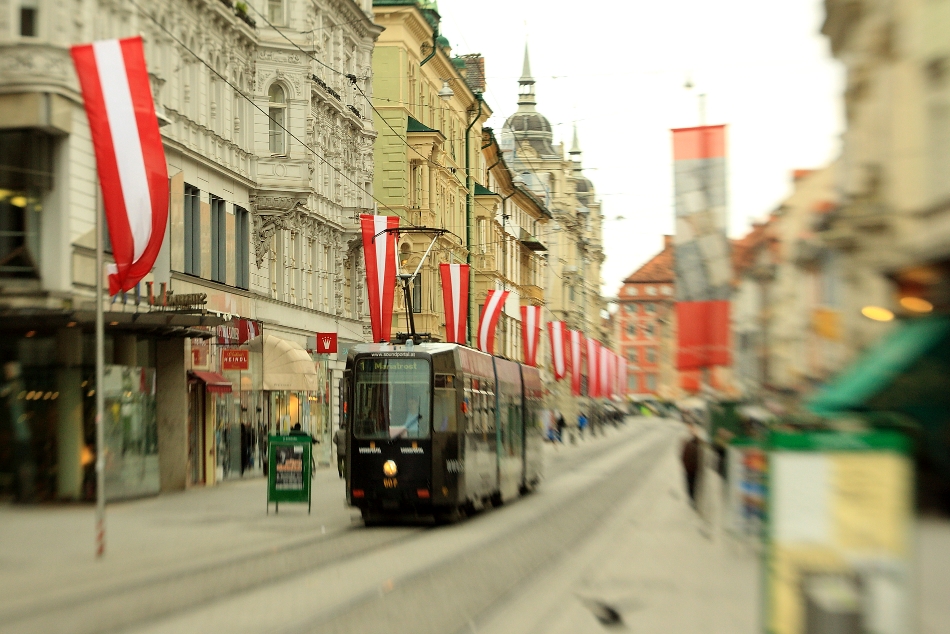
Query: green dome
x=443, y=42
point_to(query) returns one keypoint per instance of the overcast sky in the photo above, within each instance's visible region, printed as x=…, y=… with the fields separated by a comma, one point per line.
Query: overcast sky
x=618, y=68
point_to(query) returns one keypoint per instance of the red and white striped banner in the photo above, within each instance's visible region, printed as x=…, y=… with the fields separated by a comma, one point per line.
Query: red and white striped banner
x=606, y=361
x=622, y=375
x=558, y=353
x=130, y=159
x=455, y=300
x=494, y=302
x=531, y=333
x=576, y=339
x=593, y=354
x=379, y=251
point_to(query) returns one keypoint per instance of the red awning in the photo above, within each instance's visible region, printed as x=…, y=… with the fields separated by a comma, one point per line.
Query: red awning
x=214, y=382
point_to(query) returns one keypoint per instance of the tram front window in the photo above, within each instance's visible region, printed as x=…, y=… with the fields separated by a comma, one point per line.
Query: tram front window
x=392, y=398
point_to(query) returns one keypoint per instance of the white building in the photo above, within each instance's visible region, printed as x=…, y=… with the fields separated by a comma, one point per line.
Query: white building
x=268, y=139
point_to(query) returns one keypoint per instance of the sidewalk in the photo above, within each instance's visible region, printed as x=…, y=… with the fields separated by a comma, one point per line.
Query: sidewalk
x=47, y=552
x=654, y=563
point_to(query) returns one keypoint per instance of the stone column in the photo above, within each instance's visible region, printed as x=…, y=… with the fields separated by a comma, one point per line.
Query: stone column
x=171, y=405
x=70, y=439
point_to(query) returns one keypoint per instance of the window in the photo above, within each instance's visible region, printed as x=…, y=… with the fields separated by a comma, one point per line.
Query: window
x=651, y=308
x=242, y=264
x=632, y=355
x=649, y=330
x=275, y=11
x=219, y=240
x=651, y=290
x=25, y=173
x=277, y=111
x=631, y=330
x=192, y=230
x=633, y=291
x=28, y=15
x=417, y=294
x=632, y=382
x=392, y=398
x=651, y=355
x=651, y=383
x=667, y=290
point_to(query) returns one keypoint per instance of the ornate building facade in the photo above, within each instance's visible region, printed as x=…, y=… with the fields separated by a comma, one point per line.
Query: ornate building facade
x=268, y=139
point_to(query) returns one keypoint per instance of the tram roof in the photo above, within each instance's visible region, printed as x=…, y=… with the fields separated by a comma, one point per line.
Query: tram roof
x=430, y=348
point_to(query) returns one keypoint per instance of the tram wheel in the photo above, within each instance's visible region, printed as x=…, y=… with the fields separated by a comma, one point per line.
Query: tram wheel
x=496, y=499
x=452, y=516
x=371, y=519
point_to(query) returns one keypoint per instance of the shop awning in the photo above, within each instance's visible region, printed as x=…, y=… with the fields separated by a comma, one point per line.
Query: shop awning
x=214, y=382
x=906, y=369
x=287, y=366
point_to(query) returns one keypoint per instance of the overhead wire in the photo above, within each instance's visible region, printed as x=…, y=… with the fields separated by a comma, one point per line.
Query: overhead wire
x=251, y=101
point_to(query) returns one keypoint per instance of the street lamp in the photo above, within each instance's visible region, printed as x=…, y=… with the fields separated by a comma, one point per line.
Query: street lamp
x=446, y=92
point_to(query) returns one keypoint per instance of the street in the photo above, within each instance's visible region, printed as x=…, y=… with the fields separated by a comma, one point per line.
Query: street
x=213, y=561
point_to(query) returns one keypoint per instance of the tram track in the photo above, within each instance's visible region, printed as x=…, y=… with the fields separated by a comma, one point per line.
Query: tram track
x=450, y=596
x=119, y=606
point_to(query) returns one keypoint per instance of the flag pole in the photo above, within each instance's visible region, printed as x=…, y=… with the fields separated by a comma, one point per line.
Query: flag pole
x=100, y=396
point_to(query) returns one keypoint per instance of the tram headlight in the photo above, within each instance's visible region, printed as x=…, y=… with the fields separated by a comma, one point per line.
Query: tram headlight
x=389, y=469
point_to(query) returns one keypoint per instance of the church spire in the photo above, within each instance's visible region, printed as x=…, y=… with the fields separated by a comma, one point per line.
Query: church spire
x=526, y=98
x=576, y=146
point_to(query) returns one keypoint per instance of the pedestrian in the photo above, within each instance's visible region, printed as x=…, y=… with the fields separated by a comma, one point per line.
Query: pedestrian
x=581, y=423
x=690, y=457
x=559, y=417
x=339, y=439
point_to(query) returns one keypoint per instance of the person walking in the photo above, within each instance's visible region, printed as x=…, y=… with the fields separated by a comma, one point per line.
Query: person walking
x=559, y=419
x=339, y=439
x=690, y=457
x=581, y=423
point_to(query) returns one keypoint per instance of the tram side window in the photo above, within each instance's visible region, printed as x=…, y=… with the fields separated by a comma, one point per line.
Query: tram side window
x=443, y=407
x=469, y=407
x=490, y=407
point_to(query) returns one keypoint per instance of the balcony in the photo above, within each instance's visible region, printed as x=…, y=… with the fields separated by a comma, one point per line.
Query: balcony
x=531, y=294
x=530, y=242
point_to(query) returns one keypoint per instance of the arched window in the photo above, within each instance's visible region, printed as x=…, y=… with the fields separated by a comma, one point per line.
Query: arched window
x=278, y=119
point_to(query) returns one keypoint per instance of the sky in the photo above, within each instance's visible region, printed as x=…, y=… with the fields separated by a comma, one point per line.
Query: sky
x=617, y=68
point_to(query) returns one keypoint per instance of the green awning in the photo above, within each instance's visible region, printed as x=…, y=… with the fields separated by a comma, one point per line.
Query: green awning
x=416, y=126
x=908, y=368
x=481, y=190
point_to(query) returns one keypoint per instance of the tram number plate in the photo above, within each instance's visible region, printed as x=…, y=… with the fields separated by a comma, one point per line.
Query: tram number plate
x=390, y=483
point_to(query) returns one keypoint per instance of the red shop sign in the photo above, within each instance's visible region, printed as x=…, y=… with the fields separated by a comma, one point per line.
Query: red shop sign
x=233, y=359
x=326, y=343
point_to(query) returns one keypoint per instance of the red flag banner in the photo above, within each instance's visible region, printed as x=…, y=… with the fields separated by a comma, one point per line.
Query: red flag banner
x=703, y=334
x=603, y=373
x=379, y=251
x=577, y=342
x=531, y=333
x=494, y=302
x=558, y=354
x=593, y=354
x=130, y=159
x=455, y=300
x=623, y=374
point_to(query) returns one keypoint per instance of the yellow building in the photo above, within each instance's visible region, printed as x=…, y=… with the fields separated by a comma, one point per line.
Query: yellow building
x=429, y=120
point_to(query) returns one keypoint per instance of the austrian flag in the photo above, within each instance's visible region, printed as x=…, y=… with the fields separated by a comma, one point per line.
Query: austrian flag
x=494, y=302
x=379, y=253
x=531, y=333
x=129, y=154
x=455, y=300
x=558, y=354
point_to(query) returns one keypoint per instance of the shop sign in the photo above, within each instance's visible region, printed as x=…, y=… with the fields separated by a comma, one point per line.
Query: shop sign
x=238, y=331
x=234, y=359
x=326, y=343
x=288, y=474
x=199, y=353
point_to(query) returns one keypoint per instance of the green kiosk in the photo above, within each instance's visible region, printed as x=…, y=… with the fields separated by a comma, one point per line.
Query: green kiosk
x=288, y=473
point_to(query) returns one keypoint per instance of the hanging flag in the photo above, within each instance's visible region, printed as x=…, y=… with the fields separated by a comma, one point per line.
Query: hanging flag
x=603, y=373
x=494, y=302
x=130, y=159
x=576, y=346
x=531, y=333
x=558, y=354
x=703, y=263
x=379, y=251
x=623, y=375
x=593, y=348
x=455, y=300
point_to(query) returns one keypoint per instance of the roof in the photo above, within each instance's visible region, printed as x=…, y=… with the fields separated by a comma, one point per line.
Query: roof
x=658, y=269
x=746, y=249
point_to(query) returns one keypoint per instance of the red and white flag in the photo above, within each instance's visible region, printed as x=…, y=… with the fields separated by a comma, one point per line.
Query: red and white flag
x=603, y=373
x=576, y=340
x=531, y=332
x=558, y=353
x=455, y=300
x=593, y=348
x=494, y=302
x=621, y=375
x=379, y=251
x=130, y=159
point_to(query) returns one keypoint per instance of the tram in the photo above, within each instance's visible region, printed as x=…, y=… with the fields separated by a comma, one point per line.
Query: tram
x=438, y=429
